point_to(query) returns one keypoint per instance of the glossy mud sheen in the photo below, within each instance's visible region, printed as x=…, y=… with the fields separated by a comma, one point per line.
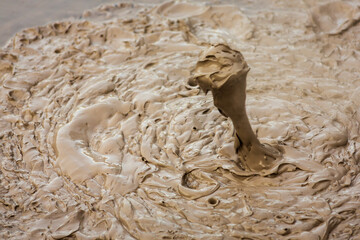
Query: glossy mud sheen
x=103, y=137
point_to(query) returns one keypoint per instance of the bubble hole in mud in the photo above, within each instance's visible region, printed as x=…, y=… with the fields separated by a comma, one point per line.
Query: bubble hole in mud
x=103, y=138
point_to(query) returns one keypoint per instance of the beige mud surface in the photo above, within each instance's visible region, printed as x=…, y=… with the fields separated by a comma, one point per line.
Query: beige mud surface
x=16, y=15
x=102, y=137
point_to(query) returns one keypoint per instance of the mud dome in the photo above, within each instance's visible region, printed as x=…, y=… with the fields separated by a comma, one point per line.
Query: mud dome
x=103, y=137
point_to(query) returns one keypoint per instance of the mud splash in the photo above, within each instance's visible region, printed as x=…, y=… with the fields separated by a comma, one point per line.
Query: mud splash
x=223, y=71
x=103, y=137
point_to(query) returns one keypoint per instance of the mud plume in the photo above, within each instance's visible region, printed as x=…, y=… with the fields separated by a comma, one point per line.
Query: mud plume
x=223, y=71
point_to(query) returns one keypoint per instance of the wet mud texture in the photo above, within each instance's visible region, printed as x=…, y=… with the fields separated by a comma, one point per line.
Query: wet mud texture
x=223, y=71
x=103, y=137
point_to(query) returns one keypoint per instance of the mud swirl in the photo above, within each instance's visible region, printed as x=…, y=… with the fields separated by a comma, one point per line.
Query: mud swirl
x=103, y=138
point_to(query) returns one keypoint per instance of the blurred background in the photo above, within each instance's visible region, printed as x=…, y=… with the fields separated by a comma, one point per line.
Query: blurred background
x=18, y=14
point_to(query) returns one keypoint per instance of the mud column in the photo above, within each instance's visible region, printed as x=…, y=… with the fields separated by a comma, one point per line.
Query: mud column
x=223, y=71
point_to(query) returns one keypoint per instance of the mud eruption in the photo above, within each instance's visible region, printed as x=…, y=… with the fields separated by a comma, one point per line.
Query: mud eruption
x=223, y=71
x=102, y=138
